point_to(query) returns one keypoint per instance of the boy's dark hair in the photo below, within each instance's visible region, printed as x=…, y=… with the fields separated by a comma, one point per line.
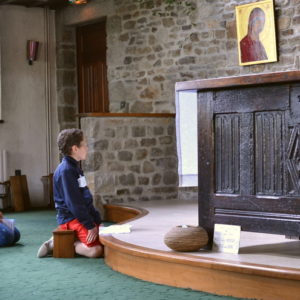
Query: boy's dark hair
x=68, y=138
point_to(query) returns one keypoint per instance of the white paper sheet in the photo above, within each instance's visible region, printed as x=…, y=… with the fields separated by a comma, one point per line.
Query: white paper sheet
x=125, y=228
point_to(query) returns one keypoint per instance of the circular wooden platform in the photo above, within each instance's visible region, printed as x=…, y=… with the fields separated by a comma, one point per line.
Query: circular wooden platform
x=213, y=275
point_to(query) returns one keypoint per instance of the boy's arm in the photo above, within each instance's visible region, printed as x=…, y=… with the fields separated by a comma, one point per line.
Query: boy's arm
x=74, y=199
x=96, y=215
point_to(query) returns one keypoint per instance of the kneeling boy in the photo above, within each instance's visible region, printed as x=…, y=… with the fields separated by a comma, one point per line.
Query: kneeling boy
x=73, y=200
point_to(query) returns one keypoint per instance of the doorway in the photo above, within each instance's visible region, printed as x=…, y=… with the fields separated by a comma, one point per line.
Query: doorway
x=92, y=68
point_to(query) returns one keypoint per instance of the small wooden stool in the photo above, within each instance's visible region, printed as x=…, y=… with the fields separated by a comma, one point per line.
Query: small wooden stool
x=63, y=243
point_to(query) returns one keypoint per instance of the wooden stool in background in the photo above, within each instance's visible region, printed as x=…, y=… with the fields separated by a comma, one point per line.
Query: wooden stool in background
x=63, y=243
x=48, y=190
x=19, y=192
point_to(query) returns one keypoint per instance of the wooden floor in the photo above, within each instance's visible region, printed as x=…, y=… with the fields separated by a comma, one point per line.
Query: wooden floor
x=267, y=267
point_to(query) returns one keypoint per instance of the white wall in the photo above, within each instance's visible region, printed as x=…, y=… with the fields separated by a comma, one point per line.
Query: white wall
x=28, y=95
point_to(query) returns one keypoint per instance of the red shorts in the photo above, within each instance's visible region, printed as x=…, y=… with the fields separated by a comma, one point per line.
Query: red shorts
x=81, y=232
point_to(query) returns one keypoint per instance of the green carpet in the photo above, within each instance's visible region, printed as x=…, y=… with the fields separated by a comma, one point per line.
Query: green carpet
x=25, y=277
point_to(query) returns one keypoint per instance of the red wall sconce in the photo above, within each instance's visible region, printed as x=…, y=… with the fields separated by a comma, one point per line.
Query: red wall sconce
x=32, y=49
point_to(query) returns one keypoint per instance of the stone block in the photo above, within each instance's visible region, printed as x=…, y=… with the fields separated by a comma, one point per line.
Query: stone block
x=231, y=29
x=167, y=163
x=127, y=60
x=66, y=114
x=148, y=142
x=143, y=180
x=122, y=132
x=68, y=35
x=130, y=144
x=114, y=25
x=125, y=156
x=156, y=179
x=93, y=162
x=66, y=78
x=158, y=130
x=137, y=190
x=138, y=131
x=149, y=93
x=128, y=179
x=69, y=96
x=135, y=168
x=194, y=37
x=66, y=59
x=141, y=107
x=156, y=152
x=186, y=27
x=129, y=25
x=105, y=183
x=171, y=130
x=187, y=60
x=168, y=22
x=165, y=140
x=141, y=154
x=100, y=145
x=148, y=167
x=124, y=37
x=123, y=192
x=115, y=166
x=164, y=190
x=170, y=178
x=109, y=132
x=116, y=145
x=284, y=22
x=110, y=156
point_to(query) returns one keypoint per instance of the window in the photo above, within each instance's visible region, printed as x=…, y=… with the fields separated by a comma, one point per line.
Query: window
x=186, y=131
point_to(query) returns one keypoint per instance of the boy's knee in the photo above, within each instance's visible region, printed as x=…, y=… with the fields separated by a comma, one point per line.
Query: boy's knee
x=17, y=235
x=6, y=236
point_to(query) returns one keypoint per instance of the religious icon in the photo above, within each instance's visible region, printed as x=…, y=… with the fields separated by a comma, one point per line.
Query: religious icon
x=256, y=33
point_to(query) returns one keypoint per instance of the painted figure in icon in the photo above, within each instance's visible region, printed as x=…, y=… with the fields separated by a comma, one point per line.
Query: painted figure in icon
x=251, y=47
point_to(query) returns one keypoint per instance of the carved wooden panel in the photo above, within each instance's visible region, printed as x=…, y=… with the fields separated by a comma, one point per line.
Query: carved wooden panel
x=293, y=161
x=269, y=153
x=227, y=147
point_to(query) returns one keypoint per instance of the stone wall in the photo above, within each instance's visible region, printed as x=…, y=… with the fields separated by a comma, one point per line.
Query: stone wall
x=66, y=75
x=148, y=53
x=131, y=159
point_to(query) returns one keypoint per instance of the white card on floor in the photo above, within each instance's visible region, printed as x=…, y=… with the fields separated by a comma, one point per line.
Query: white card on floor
x=227, y=238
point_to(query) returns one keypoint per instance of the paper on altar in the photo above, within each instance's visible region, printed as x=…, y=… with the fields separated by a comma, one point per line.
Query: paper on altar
x=125, y=228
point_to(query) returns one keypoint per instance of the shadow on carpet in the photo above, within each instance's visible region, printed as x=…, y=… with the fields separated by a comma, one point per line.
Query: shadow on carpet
x=25, y=277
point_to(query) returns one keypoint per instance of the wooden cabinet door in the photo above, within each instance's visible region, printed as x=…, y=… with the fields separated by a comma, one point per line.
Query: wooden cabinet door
x=249, y=158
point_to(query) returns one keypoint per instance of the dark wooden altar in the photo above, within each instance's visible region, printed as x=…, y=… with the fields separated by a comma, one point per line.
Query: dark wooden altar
x=249, y=152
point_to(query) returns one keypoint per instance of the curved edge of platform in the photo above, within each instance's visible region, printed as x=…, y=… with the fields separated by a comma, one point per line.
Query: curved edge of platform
x=123, y=213
x=218, y=276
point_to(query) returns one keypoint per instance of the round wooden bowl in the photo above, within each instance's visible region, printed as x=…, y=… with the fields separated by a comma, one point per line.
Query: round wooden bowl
x=186, y=238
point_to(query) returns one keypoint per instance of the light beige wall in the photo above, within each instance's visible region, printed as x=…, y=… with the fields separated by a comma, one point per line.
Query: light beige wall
x=28, y=95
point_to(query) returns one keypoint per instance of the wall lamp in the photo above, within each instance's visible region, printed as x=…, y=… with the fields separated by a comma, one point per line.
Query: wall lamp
x=32, y=49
